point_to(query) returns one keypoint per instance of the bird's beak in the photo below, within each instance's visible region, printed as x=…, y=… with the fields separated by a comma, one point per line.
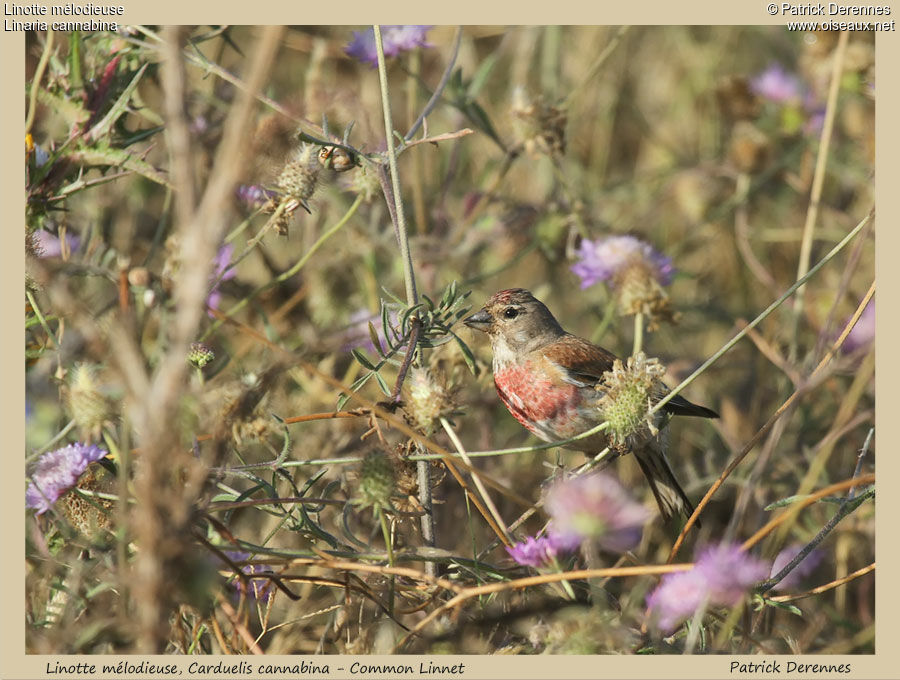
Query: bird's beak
x=480, y=321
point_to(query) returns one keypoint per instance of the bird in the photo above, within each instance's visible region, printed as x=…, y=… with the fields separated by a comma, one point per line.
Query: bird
x=548, y=380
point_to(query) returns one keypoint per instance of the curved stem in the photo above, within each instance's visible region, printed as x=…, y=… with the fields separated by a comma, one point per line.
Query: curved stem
x=284, y=276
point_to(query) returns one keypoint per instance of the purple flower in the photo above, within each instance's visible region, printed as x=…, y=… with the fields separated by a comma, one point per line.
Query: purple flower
x=721, y=576
x=798, y=573
x=56, y=472
x=394, y=39
x=605, y=259
x=536, y=552
x=863, y=333
x=254, y=196
x=594, y=507
x=257, y=588
x=223, y=259
x=49, y=245
x=357, y=335
x=777, y=85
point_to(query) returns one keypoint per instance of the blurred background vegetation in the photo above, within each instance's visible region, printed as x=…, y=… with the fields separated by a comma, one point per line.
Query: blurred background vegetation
x=702, y=141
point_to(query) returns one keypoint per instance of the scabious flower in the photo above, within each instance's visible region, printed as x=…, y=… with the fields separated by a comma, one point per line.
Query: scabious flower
x=777, y=85
x=56, y=472
x=536, y=551
x=357, y=334
x=253, y=196
x=50, y=245
x=721, y=576
x=394, y=40
x=594, y=507
x=863, y=333
x=800, y=108
x=257, y=588
x=632, y=268
x=223, y=259
x=608, y=258
x=806, y=566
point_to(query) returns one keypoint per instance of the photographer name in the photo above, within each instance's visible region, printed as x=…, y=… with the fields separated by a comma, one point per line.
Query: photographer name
x=832, y=9
x=787, y=667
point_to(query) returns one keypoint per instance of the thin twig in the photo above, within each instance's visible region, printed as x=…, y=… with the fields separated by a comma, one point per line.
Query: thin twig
x=438, y=91
x=806, y=502
x=477, y=479
x=543, y=579
x=826, y=586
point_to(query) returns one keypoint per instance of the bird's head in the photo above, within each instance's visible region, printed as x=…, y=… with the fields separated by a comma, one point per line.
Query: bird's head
x=515, y=320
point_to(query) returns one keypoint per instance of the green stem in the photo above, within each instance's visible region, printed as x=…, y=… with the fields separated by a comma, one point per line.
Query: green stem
x=385, y=530
x=409, y=279
x=638, y=333
x=40, y=316
x=348, y=460
x=284, y=276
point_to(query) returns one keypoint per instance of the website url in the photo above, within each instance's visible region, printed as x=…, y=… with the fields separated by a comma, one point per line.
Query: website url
x=842, y=25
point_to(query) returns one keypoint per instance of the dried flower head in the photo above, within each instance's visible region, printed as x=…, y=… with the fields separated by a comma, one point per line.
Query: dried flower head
x=366, y=184
x=394, y=40
x=540, y=127
x=377, y=480
x=298, y=181
x=749, y=148
x=635, y=272
x=596, y=508
x=722, y=576
x=629, y=392
x=58, y=471
x=427, y=400
x=90, y=516
x=87, y=405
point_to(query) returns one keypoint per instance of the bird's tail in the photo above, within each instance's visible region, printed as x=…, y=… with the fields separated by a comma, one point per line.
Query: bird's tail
x=670, y=497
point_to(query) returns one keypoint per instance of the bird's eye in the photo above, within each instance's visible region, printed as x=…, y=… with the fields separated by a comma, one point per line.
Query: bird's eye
x=510, y=312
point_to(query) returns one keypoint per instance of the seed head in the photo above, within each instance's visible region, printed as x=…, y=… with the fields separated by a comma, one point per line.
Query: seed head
x=88, y=406
x=377, y=480
x=427, y=400
x=629, y=392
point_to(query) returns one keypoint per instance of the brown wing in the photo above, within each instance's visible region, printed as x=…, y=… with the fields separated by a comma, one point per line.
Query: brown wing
x=582, y=363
